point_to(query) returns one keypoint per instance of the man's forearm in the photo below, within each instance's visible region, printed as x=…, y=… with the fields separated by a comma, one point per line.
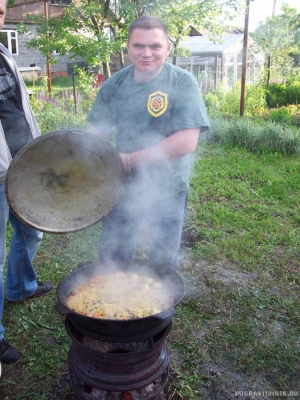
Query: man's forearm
x=177, y=145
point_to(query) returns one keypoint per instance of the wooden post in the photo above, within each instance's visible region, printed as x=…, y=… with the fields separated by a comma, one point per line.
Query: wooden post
x=48, y=56
x=74, y=92
x=216, y=72
x=245, y=52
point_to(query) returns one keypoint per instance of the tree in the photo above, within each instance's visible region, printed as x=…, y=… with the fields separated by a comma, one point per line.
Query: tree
x=204, y=16
x=95, y=29
x=279, y=39
x=80, y=31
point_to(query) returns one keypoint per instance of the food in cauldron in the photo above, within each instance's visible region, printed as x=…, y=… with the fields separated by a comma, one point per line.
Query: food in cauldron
x=121, y=296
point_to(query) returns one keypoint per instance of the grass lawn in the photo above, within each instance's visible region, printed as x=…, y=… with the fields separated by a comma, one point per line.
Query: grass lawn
x=238, y=326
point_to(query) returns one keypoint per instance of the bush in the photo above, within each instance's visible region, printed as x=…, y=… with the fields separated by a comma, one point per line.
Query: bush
x=279, y=95
x=67, y=105
x=276, y=95
x=269, y=137
x=255, y=100
x=221, y=102
x=295, y=119
x=213, y=104
x=293, y=93
x=61, y=110
x=281, y=116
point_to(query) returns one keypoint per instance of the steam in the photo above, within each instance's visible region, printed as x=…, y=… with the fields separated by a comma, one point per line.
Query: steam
x=145, y=199
x=131, y=290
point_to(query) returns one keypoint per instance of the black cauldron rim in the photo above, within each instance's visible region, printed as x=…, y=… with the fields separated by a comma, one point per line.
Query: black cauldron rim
x=138, y=327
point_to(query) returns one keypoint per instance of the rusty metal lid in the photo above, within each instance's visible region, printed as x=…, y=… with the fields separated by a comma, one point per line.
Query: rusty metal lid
x=64, y=181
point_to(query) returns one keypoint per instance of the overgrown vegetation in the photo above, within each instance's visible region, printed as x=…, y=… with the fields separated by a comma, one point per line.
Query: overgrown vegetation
x=277, y=103
x=255, y=136
x=95, y=30
x=238, y=326
x=278, y=38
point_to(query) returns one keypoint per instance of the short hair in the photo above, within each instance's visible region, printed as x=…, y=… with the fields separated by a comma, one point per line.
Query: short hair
x=148, y=22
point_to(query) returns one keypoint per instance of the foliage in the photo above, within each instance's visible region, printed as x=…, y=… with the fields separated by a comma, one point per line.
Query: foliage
x=221, y=102
x=275, y=102
x=255, y=136
x=180, y=16
x=289, y=115
x=80, y=30
x=94, y=30
x=279, y=39
x=293, y=93
x=278, y=95
x=280, y=116
x=255, y=100
x=85, y=81
x=65, y=107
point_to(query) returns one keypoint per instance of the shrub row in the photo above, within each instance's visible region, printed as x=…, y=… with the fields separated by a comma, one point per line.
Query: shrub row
x=278, y=95
x=257, y=137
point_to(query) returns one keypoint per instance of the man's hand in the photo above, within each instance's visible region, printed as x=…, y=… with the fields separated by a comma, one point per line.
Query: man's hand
x=126, y=161
x=177, y=145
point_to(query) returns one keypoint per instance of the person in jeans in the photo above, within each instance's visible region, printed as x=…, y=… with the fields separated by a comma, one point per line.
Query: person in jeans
x=17, y=128
x=157, y=111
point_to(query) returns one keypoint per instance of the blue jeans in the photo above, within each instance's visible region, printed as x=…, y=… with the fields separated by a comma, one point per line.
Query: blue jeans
x=120, y=229
x=21, y=276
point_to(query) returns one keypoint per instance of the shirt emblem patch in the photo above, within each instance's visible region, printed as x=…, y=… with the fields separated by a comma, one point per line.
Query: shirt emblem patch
x=157, y=103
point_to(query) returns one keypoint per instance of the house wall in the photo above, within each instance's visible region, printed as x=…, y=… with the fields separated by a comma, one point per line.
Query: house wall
x=34, y=56
x=17, y=14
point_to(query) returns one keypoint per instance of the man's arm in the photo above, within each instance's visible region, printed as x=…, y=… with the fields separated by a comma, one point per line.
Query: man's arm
x=177, y=145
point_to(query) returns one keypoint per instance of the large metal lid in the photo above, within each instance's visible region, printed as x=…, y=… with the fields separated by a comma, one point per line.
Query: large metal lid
x=64, y=181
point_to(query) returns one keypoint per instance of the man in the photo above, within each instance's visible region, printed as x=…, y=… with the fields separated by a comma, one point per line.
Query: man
x=17, y=128
x=157, y=112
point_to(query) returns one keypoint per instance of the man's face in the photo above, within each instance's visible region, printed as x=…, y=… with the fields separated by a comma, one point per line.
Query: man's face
x=148, y=49
x=2, y=12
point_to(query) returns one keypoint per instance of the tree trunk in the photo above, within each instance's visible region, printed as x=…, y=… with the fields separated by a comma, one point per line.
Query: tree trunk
x=268, y=70
x=122, y=61
x=175, y=47
x=106, y=70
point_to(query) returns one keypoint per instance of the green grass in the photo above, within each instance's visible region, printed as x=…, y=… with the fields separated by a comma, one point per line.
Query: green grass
x=243, y=324
x=37, y=329
x=240, y=319
x=238, y=327
x=57, y=84
x=245, y=208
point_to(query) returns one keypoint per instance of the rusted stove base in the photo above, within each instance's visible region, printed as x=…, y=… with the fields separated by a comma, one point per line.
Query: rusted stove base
x=153, y=391
x=114, y=373
x=136, y=370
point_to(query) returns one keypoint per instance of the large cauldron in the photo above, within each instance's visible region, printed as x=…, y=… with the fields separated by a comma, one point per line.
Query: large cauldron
x=122, y=330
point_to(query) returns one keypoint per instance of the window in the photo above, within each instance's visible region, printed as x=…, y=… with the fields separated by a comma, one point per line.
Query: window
x=60, y=2
x=10, y=40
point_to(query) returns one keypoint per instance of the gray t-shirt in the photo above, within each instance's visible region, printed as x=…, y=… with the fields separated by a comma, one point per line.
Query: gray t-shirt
x=143, y=114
